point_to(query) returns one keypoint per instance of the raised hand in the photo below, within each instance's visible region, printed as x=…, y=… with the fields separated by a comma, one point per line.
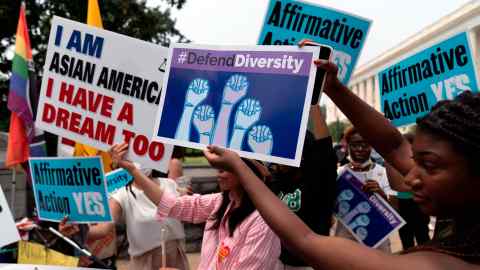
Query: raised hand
x=247, y=114
x=362, y=233
x=117, y=154
x=203, y=121
x=221, y=158
x=234, y=90
x=362, y=220
x=260, y=139
x=197, y=91
x=361, y=208
x=345, y=195
x=343, y=208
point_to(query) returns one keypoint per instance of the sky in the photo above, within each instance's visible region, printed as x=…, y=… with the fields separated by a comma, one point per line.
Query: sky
x=238, y=22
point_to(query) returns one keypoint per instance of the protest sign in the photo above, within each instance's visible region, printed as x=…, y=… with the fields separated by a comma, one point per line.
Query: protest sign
x=33, y=253
x=252, y=99
x=8, y=230
x=369, y=218
x=100, y=88
x=411, y=87
x=287, y=22
x=117, y=179
x=73, y=187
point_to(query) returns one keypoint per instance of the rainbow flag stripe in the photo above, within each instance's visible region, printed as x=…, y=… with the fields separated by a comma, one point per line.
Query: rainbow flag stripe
x=23, y=98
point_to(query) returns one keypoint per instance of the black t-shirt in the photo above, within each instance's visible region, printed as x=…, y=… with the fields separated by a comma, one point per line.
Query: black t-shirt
x=312, y=197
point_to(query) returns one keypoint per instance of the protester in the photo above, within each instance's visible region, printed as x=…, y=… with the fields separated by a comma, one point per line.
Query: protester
x=442, y=174
x=373, y=176
x=309, y=191
x=235, y=236
x=130, y=206
x=416, y=227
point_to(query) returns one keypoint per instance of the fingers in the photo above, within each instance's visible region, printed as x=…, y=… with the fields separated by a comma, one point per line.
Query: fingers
x=326, y=65
x=64, y=220
x=304, y=42
x=216, y=149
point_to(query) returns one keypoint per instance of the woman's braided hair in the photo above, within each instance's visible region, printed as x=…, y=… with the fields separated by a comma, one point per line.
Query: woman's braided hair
x=458, y=122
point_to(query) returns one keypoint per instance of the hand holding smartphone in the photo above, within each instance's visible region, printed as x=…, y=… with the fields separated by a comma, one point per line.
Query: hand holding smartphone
x=325, y=53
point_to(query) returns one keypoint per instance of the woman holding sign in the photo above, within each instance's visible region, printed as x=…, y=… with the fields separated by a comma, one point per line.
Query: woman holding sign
x=440, y=168
x=235, y=236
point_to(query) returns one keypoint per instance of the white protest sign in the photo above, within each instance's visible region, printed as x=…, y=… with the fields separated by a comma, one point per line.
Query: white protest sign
x=8, y=230
x=101, y=88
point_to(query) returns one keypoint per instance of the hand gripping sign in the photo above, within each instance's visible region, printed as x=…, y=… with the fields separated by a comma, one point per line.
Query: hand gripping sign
x=96, y=92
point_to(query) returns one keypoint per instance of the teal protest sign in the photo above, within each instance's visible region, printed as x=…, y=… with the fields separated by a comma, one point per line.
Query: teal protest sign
x=117, y=179
x=411, y=87
x=73, y=187
x=287, y=22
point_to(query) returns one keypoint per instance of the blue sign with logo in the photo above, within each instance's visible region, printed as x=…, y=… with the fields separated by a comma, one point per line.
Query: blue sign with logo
x=254, y=100
x=287, y=22
x=73, y=187
x=368, y=217
x=117, y=179
x=410, y=88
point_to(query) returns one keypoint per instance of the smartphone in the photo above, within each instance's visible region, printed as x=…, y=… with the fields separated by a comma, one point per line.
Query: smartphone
x=325, y=53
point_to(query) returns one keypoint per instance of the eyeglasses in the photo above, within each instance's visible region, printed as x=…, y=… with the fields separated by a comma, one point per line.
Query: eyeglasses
x=358, y=145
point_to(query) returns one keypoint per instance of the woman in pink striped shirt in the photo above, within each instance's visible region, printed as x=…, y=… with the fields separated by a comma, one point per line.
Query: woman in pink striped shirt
x=235, y=236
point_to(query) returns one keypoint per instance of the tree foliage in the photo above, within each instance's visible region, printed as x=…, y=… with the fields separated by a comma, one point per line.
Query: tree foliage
x=129, y=17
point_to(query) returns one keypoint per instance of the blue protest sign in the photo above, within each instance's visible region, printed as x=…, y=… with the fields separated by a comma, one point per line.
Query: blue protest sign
x=287, y=22
x=411, y=87
x=117, y=179
x=254, y=100
x=368, y=217
x=73, y=187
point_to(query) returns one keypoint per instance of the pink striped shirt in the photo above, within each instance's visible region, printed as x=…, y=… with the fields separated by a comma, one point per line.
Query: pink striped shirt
x=252, y=246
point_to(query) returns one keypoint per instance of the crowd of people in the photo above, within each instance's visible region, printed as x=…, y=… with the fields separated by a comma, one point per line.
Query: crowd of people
x=280, y=217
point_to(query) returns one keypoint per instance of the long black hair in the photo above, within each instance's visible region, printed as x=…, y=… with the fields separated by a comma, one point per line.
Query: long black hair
x=238, y=214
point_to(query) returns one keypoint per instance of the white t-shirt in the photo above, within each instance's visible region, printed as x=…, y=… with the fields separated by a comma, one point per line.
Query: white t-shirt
x=143, y=230
x=377, y=173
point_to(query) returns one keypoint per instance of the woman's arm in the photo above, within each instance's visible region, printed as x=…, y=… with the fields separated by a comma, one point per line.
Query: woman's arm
x=320, y=129
x=371, y=124
x=320, y=251
x=101, y=230
x=153, y=191
x=175, y=169
x=396, y=179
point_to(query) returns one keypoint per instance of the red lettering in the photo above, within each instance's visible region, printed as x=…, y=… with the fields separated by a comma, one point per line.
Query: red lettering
x=127, y=135
x=62, y=118
x=80, y=98
x=105, y=133
x=48, y=114
x=93, y=103
x=87, y=127
x=156, y=151
x=140, y=145
x=49, y=87
x=107, y=104
x=75, y=122
x=126, y=113
x=66, y=93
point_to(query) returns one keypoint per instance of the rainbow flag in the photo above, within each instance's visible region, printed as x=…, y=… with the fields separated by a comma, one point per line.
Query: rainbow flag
x=24, y=139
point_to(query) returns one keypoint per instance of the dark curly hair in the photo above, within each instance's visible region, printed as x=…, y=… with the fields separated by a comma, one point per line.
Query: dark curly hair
x=458, y=122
